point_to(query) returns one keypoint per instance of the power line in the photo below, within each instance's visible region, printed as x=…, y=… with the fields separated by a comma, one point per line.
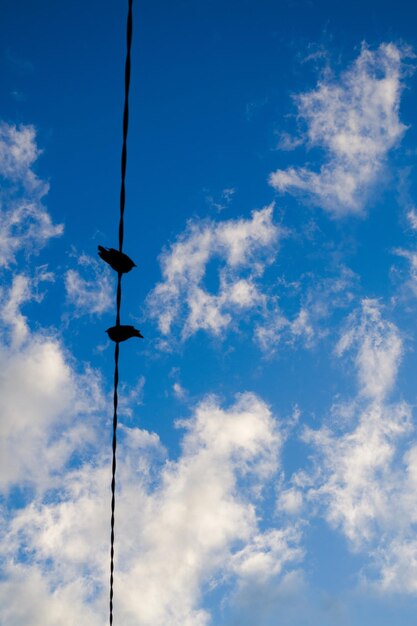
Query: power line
x=129, y=29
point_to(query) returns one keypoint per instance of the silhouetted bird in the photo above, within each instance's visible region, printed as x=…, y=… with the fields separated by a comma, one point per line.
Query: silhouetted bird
x=119, y=261
x=121, y=333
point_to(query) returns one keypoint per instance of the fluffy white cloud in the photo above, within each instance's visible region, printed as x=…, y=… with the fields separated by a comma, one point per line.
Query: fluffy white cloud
x=41, y=398
x=242, y=248
x=26, y=598
x=191, y=524
x=356, y=121
x=267, y=554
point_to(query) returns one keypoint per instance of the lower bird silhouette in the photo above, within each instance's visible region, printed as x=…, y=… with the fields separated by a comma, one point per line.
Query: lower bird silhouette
x=119, y=261
x=122, y=332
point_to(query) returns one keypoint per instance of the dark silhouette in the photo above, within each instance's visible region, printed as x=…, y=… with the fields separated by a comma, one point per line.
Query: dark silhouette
x=122, y=332
x=119, y=261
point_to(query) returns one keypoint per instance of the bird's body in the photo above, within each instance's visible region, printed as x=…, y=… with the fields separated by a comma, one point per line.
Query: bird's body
x=119, y=261
x=123, y=332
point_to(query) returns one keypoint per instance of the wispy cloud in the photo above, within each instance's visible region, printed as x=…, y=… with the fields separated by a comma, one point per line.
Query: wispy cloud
x=18, y=153
x=409, y=284
x=363, y=480
x=25, y=224
x=240, y=248
x=320, y=297
x=355, y=120
x=221, y=202
x=355, y=468
x=92, y=295
x=378, y=350
x=412, y=218
x=23, y=289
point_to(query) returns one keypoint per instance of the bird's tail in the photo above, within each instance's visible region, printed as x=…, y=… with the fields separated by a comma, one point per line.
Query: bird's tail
x=102, y=252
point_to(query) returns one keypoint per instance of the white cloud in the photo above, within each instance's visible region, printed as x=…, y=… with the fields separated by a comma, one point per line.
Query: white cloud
x=40, y=399
x=19, y=293
x=290, y=501
x=24, y=226
x=275, y=327
x=363, y=481
x=24, y=222
x=18, y=152
x=23, y=289
x=357, y=464
x=379, y=349
x=26, y=598
x=356, y=471
x=93, y=295
x=269, y=332
x=179, y=391
x=242, y=248
x=301, y=326
x=41, y=395
x=412, y=218
x=191, y=525
x=356, y=122
x=267, y=554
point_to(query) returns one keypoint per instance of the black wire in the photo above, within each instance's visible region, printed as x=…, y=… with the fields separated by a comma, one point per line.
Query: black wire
x=113, y=480
x=125, y=123
x=119, y=295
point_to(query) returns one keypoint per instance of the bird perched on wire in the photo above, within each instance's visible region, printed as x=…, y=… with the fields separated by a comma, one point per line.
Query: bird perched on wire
x=122, y=332
x=119, y=261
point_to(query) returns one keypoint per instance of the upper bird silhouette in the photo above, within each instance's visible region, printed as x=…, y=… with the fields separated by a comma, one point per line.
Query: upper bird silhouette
x=122, y=332
x=119, y=261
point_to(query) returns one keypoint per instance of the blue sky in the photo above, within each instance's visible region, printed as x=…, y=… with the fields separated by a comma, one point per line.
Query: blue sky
x=267, y=466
